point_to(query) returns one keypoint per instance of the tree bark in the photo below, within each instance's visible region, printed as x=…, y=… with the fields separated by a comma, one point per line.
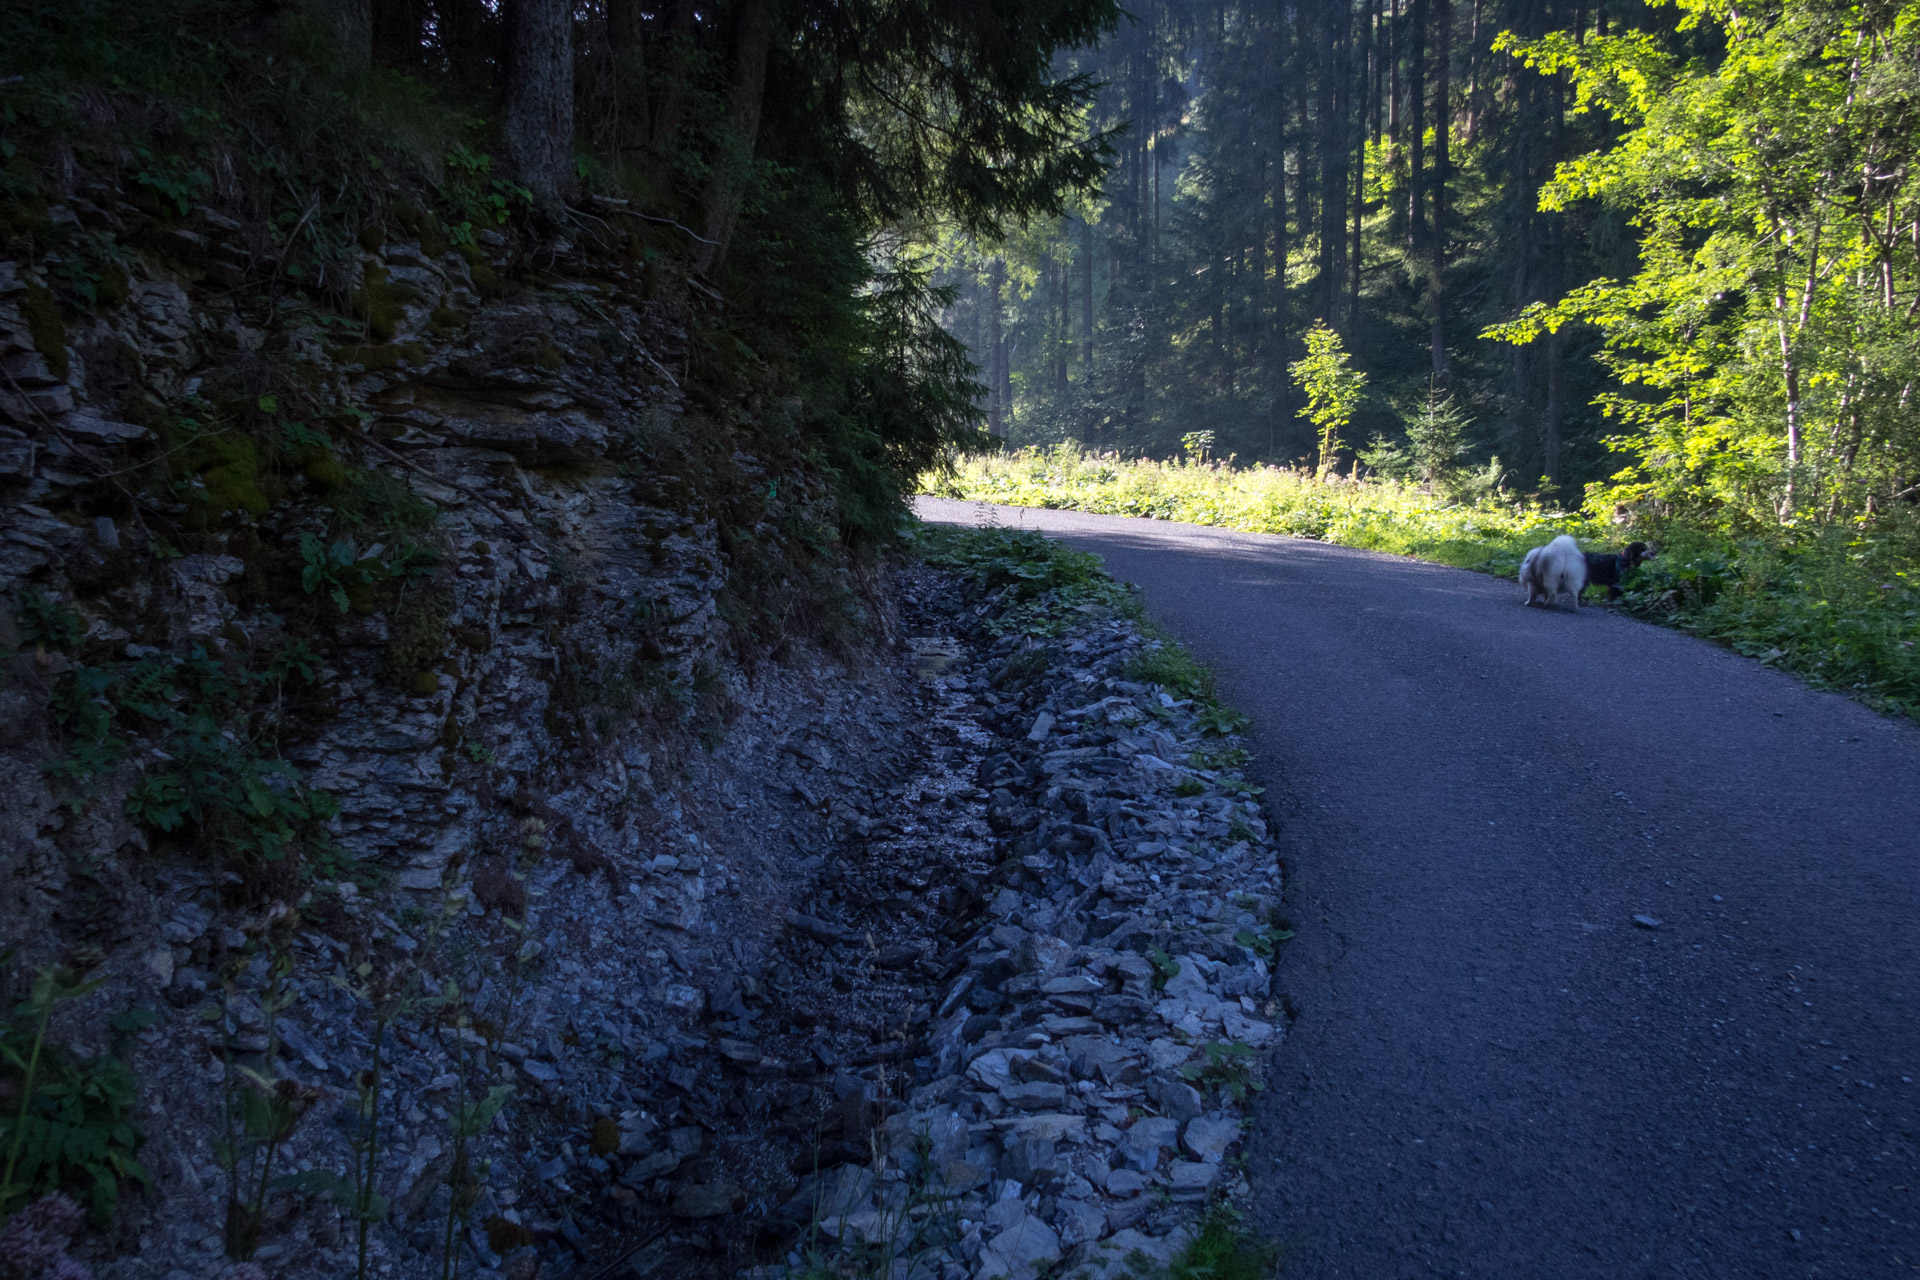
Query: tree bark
x=996, y=352
x=1393, y=72
x=399, y=29
x=1442, y=127
x=1417, y=126
x=1086, y=297
x=625, y=31
x=351, y=24
x=1550, y=446
x=727, y=185
x=1063, y=335
x=538, y=125
x=1363, y=78
x=470, y=37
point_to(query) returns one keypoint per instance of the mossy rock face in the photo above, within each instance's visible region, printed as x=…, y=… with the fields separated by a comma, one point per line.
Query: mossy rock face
x=446, y=322
x=322, y=469
x=375, y=356
x=113, y=285
x=485, y=278
x=418, y=637
x=227, y=464
x=421, y=224
x=110, y=572
x=381, y=302
x=49, y=331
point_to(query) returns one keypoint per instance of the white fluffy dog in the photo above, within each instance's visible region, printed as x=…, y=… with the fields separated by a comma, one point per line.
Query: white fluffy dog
x=1559, y=568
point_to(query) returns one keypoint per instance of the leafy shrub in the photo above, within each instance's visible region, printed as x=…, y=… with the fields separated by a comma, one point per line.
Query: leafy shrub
x=70, y=1124
x=45, y=622
x=216, y=776
x=1226, y=1070
x=1171, y=667
x=1054, y=586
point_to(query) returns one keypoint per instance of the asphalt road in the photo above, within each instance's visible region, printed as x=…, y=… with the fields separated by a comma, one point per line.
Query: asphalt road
x=1493, y=1071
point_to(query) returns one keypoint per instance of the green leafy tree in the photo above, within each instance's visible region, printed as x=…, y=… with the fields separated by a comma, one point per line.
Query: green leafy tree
x=1333, y=389
x=1764, y=352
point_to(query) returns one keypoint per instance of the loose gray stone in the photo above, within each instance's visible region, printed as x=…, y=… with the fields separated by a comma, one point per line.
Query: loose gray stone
x=1019, y=1252
x=1079, y=1221
x=1207, y=1140
x=1190, y=1180
x=1034, y=1096
x=1144, y=1142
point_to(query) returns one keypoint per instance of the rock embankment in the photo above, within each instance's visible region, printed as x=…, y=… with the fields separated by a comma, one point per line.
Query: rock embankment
x=1096, y=1024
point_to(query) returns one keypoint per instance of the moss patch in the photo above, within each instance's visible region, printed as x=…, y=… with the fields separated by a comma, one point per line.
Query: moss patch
x=228, y=467
x=49, y=331
x=381, y=302
x=485, y=278
x=446, y=322
x=380, y=355
x=417, y=638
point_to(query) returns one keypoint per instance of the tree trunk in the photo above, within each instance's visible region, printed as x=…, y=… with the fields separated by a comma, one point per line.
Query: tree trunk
x=727, y=183
x=996, y=352
x=1417, y=126
x=351, y=23
x=1473, y=75
x=625, y=31
x=1358, y=150
x=664, y=121
x=1393, y=72
x=398, y=30
x=1332, y=196
x=538, y=125
x=1063, y=334
x=1442, y=126
x=1550, y=445
x=1374, y=34
x=1086, y=298
x=470, y=38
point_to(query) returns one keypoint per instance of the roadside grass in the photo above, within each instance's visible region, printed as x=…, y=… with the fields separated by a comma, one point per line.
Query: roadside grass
x=1839, y=606
x=1054, y=588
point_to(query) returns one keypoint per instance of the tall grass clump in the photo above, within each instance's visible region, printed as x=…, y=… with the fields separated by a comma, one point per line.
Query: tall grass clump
x=1470, y=524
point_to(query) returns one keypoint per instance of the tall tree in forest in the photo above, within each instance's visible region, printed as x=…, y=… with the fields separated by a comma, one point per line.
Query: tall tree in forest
x=727, y=180
x=1442, y=128
x=537, y=117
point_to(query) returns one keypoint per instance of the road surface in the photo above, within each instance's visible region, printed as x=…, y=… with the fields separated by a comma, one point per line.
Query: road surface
x=1493, y=1071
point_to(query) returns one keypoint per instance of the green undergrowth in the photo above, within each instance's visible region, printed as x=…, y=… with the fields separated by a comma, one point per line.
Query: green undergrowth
x=1222, y=1248
x=70, y=1121
x=215, y=779
x=1046, y=588
x=1837, y=605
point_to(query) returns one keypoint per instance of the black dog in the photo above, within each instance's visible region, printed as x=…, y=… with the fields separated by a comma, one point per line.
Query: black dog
x=1605, y=569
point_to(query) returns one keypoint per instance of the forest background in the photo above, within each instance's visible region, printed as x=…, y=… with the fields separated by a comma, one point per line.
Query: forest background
x=1622, y=269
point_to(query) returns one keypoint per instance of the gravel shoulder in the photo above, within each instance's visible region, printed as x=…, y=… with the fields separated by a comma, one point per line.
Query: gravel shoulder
x=1493, y=1070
